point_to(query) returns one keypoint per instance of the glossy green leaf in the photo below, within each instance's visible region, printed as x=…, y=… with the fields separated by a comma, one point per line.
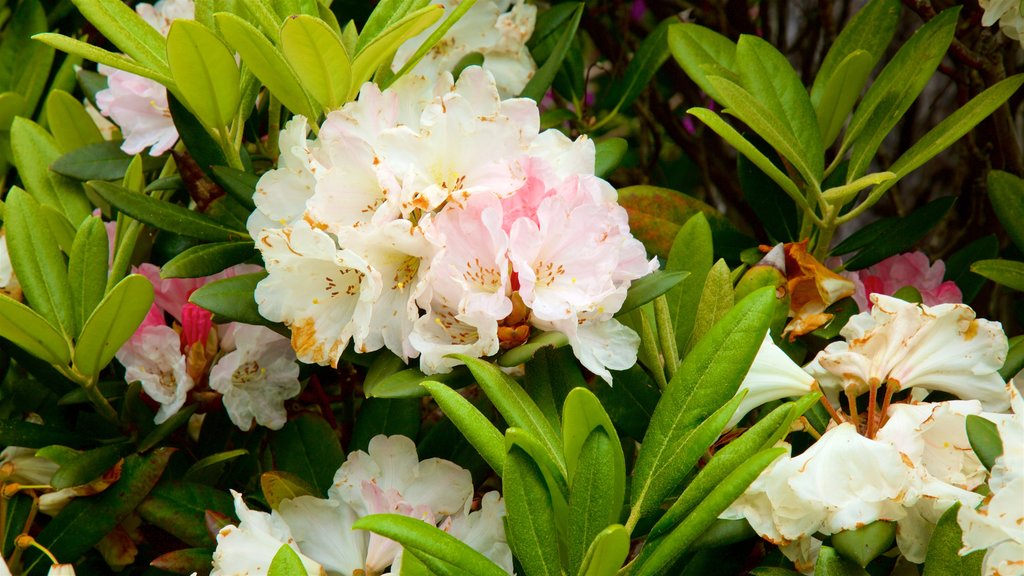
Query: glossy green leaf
x=278, y=486
x=414, y=534
x=387, y=416
x=477, y=429
x=944, y=557
x=702, y=52
x=166, y=428
x=715, y=300
x=308, y=447
x=88, y=466
x=71, y=125
x=516, y=406
x=99, y=161
x=1006, y=192
x=318, y=58
x=202, y=468
x=895, y=89
x=771, y=79
x=164, y=215
x=231, y=299
x=380, y=50
x=25, y=328
x=524, y=352
x=899, y=234
x=609, y=154
x=207, y=259
x=239, y=185
x=870, y=31
x=204, y=71
x=606, y=553
x=62, y=230
x=830, y=563
x=112, y=323
x=659, y=555
x=179, y=508
x=406, y=383
x=85, y=521
x=101, y=56
x=286, y=562
x=266, y=62
x=648, y=59
x=545, y=74
x=596, y=490
x=530, y=517
x=1009, y=273
x=38, y=261
x=704, y=381
x=692, y=252
x=19, y=509
x=984, y=438
x=840, y=195
x=32, y=435
x=649, y=287
x=583, y=413
x=1014, y=358
x=33, y=149
x=776, y=210
x=550, y=377
x=385, y=15
x=631, y=401
x=87, y=269
x=128, y=31
x=864, y=544
x=837, y=97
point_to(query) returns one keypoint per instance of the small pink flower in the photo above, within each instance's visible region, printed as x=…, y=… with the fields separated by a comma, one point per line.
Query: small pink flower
x=909, y=269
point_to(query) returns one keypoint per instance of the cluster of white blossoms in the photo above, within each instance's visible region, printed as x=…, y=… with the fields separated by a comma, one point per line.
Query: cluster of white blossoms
x=436, y=218
x=905, y=462
x=388, y=479
x=252, y=367
x=497, y=30
x=139, y=105
x=1009, y=14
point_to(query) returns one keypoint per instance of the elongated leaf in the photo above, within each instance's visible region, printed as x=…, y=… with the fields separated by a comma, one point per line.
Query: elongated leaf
x=691, y=252
x=37, y=260
x=958, y=266
x=25, y=328
x=379, y=50
x=581, y=415
x=1009, y=273
x=87, y=268
x=715, y=300
x=318, y=58
x=830, y=563
x=265, y=62
x=205, y=72
x=984, y=438
x=1006, y=192
x=164, y=215
x=631, y=401
x=406, y=383
x=649, y=56
x=101, y=56
x=525, y=352
x=71, y=125
x=870, y=31
x=99, y=161
x=278, y=486
x=207, y=259
x=414, y=534
x=85, y=521
x=308, y=448
x=516, y=406
x=231, y=299
x=699, y=50
x=33, y=149
x=896, y=88
x=477, y=429
x=840, y=195
x=899, y=235
x=208, y=468
x=239, y=185
x=113, y=323
x=596, y=492
x=609, y=153
x=385, y=15
x=179, y=508
x=88, y=466
x=165, y=428
x=607, y=552
x=840, y=93
x=650, y=287
x=943, y=557
x=387, y=416
x=704, y=381
x=865, y=543
x=545, y=75
x=128, y=31
x=185, y=561
x=530, y=515
x=32, y=435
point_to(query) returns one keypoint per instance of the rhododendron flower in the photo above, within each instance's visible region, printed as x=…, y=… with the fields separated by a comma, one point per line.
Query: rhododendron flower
x=249, y=547
x=153, y=357
x=9, y=285
x=495, y=29
x=1009, y=14
x=903, y=345
x=434, y=221
x=812, y=288
x=21, y=465
x=772, y=376
x=139, y=105
x=911, y=269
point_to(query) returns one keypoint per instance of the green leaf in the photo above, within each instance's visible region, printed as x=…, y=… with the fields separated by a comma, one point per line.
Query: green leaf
x=596, y=490
x=239, y=185
x=62, y=230
x=266, y=62
x=775, y=209
x=692, y=252
x=1009, y=273
x=206, y=469
x=631, y=401
x=715, y=301
x=704, y=381
x=899, y=234
x=32, y=435
x=702, y=52
x=545, y=75
x=958, y=266
x=864, y=544
x=88, y=466
x=319, y=60
x=166, y=428
x=659, y=555
x=27, y=19
x=943, y=557
x=840, y=195
x=648, y=59
x=71, y=125
x=128, y=31
x=516, y=406
x=477, y=429
x=25, y=328
x=1014, y=359
x=185, y=560
x=286, y=562
x=85, y=521
x=99, y=161
x=649, y=287
x=101, y=56
x=381, y=49
x=524, y=352
x=164, y=215
x=984, y=438
x=830, y=563
x=38, y=261
x=428, y=540
x=197, y=139
x=231, y=299
x=530, y=517
x=1006, y=192
x=387, y=416
x=19, y=508
x=308, y=447
x=204, y=71
x=606, y=553
x=870, y=31
x=406, y=383
x=895, y=89
x=207, y=259
x=33, y=149
x=583, y=413
x=278, y=486
x=112, y=324
x=179, y=508
x=385, y=15
x=770, y=78
x=835, y=100
x=609, y=154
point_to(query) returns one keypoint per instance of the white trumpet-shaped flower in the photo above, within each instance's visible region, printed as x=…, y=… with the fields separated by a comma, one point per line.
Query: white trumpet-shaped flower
x=772, y=376
x=249, y=548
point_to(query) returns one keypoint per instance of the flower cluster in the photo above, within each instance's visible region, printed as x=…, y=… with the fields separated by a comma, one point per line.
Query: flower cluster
x=252, y=367
x=438, y=219
x=1009, y=14
x=389, y=478
x=911, y=269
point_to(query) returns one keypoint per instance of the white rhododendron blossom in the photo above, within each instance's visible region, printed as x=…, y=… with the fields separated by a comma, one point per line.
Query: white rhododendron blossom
x=497, y=30
x=1008, y=13
x=998, y=523
x=438, y=219
x=139, y=105
x=772, y=376
x=153, y=357
x=901, y=345
x=389, y=478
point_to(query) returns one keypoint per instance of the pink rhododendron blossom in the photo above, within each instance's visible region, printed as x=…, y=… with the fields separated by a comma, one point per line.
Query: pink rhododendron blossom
x=439, y=220
x=139, y=105
x=910, y=269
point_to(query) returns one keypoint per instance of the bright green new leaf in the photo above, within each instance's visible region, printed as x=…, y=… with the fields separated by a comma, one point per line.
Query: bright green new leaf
x=864, y=544
x=596, y=492
x=428, y=540
x=319, y=60
x=12, y=105
x=870, y=30
x=606, y=553
x=128, y=31
x=840, y=195
x=477, y=429
x=207, y=259
x=262, y=15
x=525, y=352
x=71, y=125
x=33, y=149
x=530, y=516
x=101, y=56
x=266, y=62
x=286, y=562
x=583, y=413
x=944, y=557
x=545, y=75
x=650, y=287
x=692, y=252
x=62, y=230
x=840, y=94
x=715, y=300
x=406, y=383
x=702, y=52
x=1006, y=192
x=830, y=563
x=205, y=73
x=380, y=50
x=984, y=438
x=87, y=268
x=25, y=328
x=385, y=15
x=112, y=323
